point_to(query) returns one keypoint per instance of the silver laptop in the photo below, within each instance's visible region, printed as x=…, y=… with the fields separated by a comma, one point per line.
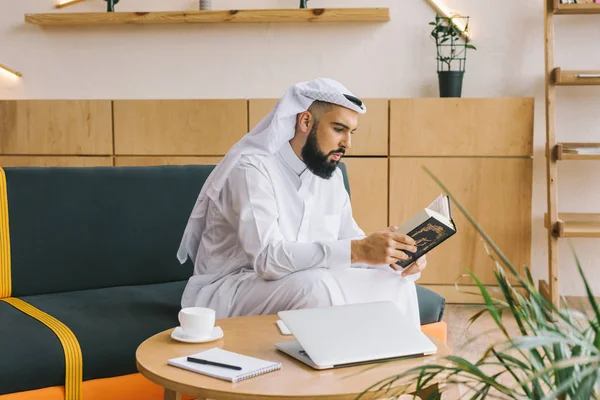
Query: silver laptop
x=354, y=334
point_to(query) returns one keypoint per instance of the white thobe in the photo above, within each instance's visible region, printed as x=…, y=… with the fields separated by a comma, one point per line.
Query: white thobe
x=278, y=238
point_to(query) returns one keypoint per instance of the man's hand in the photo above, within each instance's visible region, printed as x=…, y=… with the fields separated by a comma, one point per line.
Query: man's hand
x=384, y=247
x=414, y=268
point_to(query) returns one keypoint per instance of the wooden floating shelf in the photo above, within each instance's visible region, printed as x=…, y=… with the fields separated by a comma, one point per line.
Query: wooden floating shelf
x=217, y=16
x=577, y=9
x=570, y=78
x=577, y=225
x=578, y=151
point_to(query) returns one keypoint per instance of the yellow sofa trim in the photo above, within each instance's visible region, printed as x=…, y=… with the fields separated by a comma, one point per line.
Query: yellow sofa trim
x=73, y=358
x=5, y=278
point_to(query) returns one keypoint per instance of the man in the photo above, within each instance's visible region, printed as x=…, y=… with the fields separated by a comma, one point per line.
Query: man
x=272, y=228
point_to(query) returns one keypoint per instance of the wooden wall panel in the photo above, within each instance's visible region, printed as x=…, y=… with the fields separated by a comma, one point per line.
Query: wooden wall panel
x=54, y=161
x=370, y=139
x=178, y=127
x=497, y=192
x=461, y=127
x=154, y=160
x=369, y=192
x=41, y=127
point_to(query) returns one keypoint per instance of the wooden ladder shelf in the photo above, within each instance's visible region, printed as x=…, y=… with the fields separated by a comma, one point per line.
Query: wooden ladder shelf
x=582, y=225
x=577, y=9
x=570, y=78
x=578, y=151
x=563, y=225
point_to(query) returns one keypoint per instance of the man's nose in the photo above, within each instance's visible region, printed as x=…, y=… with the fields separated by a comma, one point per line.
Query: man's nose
x=346, y=142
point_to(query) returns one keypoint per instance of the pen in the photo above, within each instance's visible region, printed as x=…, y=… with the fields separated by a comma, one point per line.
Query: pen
x=216, y=364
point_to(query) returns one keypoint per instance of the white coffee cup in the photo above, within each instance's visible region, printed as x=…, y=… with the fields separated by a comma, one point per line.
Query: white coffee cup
x=197, y=322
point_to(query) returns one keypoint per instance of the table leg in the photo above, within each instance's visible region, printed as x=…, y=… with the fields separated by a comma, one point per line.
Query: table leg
x=171, y=395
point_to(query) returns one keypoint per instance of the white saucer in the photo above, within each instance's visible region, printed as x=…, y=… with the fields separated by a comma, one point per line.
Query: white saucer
x=177, y=334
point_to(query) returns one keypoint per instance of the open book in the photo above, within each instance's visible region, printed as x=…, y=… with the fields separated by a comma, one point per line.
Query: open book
x=428, y=228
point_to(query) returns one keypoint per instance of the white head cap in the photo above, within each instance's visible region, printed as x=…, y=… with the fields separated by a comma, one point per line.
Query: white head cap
x=267, y=138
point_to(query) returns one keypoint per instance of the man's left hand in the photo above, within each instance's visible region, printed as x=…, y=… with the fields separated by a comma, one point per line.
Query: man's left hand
x=414, y=268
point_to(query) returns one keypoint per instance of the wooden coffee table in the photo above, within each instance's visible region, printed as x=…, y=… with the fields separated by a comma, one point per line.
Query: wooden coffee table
x=255, y=336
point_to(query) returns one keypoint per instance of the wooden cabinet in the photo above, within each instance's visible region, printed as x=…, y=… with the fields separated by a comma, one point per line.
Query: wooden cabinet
x=480, y=148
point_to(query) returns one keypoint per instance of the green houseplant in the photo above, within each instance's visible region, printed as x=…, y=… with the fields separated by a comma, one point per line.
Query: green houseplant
x=554, y=355
x=451, y=44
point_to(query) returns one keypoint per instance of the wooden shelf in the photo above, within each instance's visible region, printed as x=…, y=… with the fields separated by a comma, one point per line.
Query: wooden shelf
x=570, y=78
x=578, y=151
x=577, y=225
x=180, y=17
x=577, y=9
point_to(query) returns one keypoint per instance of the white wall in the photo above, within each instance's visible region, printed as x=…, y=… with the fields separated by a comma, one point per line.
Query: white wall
x=374, y=60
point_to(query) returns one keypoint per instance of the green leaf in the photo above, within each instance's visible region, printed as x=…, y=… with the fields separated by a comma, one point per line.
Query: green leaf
x=546, y=338
x=472, y=369
x=560, y=353
x=489, y=304
x=561, y=389
x=590, y=296
x=586, y=388
x=470, y=46
x=512, y=373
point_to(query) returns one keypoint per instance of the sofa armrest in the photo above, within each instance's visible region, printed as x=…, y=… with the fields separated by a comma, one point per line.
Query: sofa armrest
x=431, y=305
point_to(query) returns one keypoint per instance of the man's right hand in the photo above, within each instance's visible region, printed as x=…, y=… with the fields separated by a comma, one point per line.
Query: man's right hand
x=383, y=247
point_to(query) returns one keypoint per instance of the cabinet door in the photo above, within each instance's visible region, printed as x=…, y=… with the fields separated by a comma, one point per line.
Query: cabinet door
x=65, y=127
x=178, y=127
x=461, y=127
x=369, y=192
x=495, y=191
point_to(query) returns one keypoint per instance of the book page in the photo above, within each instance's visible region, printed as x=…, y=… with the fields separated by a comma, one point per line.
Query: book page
x=440, y=205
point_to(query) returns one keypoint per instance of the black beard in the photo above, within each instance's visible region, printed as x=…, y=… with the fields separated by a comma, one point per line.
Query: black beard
x=316, y=161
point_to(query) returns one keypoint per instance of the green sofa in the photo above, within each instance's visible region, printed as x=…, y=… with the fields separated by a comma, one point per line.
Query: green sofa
x=95, y=248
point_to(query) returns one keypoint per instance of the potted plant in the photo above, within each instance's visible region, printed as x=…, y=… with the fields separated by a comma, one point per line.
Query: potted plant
x=452, y=44
x=554, y=355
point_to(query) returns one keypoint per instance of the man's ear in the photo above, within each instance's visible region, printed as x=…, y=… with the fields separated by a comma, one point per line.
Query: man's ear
x=305, y=122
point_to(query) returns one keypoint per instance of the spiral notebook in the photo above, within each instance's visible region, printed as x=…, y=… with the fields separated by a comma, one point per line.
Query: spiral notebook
x=251, y=366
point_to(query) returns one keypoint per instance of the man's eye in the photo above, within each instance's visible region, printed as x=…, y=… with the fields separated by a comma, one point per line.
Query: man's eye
x=339, y=130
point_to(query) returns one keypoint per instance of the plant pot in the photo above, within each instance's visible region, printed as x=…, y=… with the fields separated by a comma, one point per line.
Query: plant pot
x=450, y=83
x=110, y=5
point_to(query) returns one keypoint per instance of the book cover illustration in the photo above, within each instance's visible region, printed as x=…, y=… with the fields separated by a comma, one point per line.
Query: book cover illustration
x=427, y=236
